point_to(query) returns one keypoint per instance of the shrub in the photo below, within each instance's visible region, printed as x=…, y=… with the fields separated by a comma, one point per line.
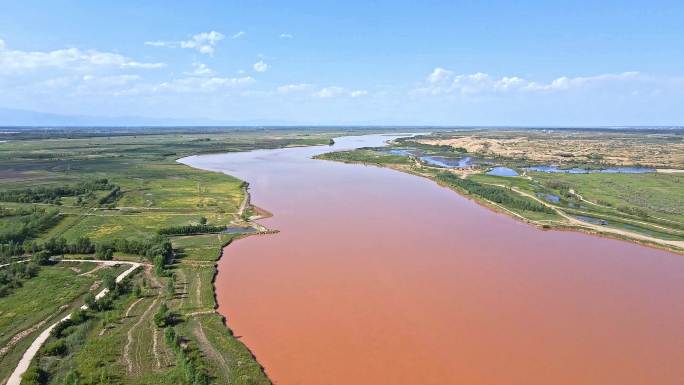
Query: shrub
x=34, y=376
x=57, y=348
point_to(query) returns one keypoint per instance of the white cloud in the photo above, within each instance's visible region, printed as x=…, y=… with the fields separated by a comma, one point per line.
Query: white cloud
x=68, y=58
x=190, y=84
x=291, y=88
x=202, y=42
x=158, y=43
x=329, y=92
x=238, y=35
x=286, y=36
x=201, y=84
x=334, y=91
x=260, y=66
x=442, y=81
x=116, y=80
x=319, y=92
x=439, y=74
x=200, y=69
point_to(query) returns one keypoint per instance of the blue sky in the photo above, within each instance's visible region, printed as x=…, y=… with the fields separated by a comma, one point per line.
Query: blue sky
x=325, y=62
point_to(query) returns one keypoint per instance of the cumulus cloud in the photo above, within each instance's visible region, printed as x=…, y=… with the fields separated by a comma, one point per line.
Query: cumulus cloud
x=69, y=58
x=286, y=36
x=202, y=42
x=190, y=84
x=200, y=84
x=439, y=74
x=329, y=92
x=335, y=91
x=311, y=90
x=260, y=66
x=238, y=35
x=292, y=88
x=443, y=81
x=116, y=80
x=200, y=69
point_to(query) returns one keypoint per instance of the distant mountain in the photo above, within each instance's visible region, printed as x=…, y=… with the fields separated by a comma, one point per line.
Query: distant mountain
x=13, y=117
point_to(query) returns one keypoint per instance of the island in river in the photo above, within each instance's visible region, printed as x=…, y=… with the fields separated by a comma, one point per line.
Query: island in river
x=377, y=276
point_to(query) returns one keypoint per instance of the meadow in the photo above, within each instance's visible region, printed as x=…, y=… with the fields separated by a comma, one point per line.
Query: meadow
x=146, y=193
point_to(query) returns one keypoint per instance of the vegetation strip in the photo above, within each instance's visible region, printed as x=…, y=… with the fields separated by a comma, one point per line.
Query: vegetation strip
x=15, y=378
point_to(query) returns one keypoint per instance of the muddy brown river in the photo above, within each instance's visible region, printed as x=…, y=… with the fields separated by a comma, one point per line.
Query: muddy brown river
x=380, y=277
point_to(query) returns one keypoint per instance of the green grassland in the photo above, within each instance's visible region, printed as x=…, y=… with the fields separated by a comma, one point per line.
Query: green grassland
x=153, y=192
x=660, y=195
x=54, y=292
x=367, y=156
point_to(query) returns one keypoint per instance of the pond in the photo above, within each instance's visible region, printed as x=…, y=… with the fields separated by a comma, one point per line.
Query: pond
x=502, y=171
x=549, y=197
x=447, y=162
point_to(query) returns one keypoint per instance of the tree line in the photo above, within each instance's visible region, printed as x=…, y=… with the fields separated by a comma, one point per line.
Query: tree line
x=27, y=224
x=493, y=193
x=52, y=194
x=192, y=229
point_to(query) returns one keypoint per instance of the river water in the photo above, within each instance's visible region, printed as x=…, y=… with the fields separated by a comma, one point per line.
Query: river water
x=380, y=277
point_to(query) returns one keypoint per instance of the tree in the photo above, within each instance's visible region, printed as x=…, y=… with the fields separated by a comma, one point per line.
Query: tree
x=41, y=257
x=159, y=264
x=104, y=252
x=171, y=286
x=162, y=317
x=203, y=220
x=34, y=376
x=170, y=337
x=57, y=348
x=90, y=301
x=109, y=280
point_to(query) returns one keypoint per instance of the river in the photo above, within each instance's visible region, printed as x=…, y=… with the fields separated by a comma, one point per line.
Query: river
x=380, y=277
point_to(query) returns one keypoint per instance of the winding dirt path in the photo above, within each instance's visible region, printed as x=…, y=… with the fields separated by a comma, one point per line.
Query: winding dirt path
x=23, y=365
x=155, y=345
x=22, y=334
x=603, y=229
x=127, y=348
x=198, y=290
x=208, y=349
x=128, y=311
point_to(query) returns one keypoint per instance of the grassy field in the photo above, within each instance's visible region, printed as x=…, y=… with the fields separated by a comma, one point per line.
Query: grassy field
x=55, y=291
x=150, y=191
x=365, y=156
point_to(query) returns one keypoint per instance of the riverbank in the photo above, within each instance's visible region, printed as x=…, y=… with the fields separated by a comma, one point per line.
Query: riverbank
x=558, y=221
x=402, y=274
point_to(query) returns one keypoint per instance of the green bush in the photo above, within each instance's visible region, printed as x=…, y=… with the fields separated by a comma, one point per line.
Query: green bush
x=56, y=348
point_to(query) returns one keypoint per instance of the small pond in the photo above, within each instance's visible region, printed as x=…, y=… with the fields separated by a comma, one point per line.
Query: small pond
x=400, y=151
x=443, y=161
x=549, y=197
x=502, y=171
